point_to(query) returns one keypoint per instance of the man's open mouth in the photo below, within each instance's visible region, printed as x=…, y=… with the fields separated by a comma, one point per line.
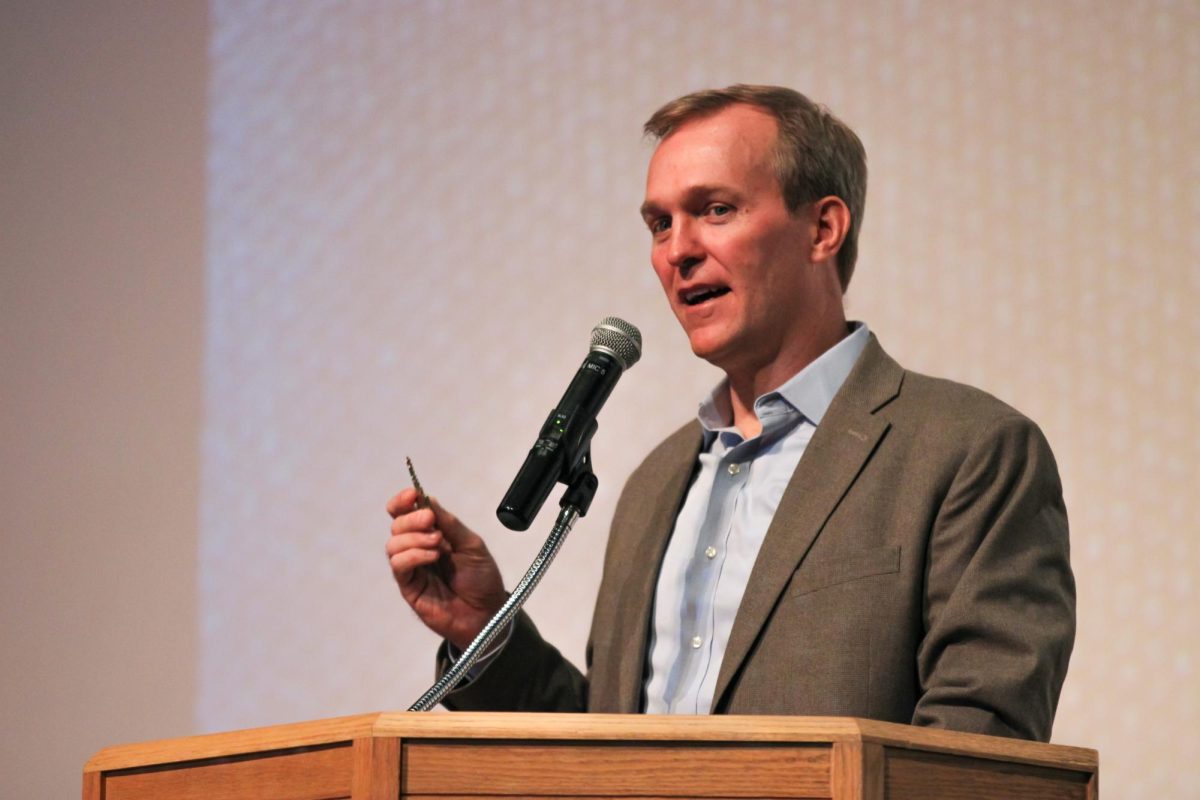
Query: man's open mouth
x=694, y=297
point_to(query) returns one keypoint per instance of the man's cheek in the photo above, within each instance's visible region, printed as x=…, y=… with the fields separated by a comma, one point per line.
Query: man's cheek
x=664, y=280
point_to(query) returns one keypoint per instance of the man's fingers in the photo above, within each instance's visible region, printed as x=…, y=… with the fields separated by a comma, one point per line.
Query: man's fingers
x=420, y=520
x=407, y=518
x=402, y=502
x=419, y=540
x=457, y=534
x=405, y=563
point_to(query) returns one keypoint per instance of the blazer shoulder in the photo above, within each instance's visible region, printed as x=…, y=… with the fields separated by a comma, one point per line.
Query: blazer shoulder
x=953, y=401
x=944, y=416
x=878, y=384
x=936, y=414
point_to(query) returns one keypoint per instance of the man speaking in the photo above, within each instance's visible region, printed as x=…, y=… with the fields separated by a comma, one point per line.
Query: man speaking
x=833, y=534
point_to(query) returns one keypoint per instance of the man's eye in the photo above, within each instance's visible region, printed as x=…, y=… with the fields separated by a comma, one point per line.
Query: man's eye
x=719, y=210
x=659, y=225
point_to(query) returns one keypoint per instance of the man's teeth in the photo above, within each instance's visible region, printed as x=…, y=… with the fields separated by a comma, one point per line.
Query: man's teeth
x=700, y=295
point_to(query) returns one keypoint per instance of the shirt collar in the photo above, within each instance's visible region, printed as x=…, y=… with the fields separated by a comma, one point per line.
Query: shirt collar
x=809, y=391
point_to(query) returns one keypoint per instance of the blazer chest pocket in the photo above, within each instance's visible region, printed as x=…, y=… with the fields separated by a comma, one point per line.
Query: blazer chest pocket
x=825, y=571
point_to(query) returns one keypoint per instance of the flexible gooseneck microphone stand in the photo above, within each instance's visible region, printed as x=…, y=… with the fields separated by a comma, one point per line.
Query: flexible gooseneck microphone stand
x=574, y=504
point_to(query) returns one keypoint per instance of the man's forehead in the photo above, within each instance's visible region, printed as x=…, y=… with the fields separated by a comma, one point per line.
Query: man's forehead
x=739, y=133
x=732, y=148
x=736, y=122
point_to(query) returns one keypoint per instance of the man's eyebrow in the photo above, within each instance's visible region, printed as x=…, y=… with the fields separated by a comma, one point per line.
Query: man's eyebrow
x=692, y=195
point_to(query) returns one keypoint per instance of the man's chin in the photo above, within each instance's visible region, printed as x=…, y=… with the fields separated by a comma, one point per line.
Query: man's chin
x=712, y=349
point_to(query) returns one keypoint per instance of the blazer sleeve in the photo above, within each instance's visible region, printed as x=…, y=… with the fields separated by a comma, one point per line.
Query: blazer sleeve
x=999, y=604
x=529, y=674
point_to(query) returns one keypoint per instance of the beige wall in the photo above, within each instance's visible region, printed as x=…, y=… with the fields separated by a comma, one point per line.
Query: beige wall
x=101, y=313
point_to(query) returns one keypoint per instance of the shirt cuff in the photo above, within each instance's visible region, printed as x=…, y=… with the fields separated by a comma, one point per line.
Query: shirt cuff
x=489, y=655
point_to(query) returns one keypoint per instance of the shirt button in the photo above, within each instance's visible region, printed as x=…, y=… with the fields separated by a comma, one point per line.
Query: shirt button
x=710, y=551
x=696, y=642
x=734, y=469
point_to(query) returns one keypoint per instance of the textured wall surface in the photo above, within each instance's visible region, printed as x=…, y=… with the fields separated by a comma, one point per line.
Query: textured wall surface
x=417, y=211
x=102, y=146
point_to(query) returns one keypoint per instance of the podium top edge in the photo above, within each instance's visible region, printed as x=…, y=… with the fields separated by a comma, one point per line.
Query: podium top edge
x=591, y=727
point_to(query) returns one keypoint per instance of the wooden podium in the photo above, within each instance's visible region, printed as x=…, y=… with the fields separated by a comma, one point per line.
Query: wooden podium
x=455, y=756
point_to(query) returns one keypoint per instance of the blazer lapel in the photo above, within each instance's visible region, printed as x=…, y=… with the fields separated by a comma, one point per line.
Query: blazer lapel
x=842, y=444
x=644, y=554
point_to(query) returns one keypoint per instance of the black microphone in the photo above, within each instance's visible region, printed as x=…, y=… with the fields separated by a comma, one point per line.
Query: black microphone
x=564, y=438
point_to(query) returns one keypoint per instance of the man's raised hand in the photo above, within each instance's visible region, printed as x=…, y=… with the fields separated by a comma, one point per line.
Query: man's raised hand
x=444, y=569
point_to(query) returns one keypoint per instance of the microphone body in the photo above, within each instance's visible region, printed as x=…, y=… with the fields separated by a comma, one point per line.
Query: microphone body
x=563, y=440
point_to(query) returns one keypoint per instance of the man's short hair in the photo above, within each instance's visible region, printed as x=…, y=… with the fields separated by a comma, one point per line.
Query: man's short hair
x=816, y=154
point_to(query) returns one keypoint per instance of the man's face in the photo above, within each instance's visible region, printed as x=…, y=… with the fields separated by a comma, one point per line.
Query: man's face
x=734, y=263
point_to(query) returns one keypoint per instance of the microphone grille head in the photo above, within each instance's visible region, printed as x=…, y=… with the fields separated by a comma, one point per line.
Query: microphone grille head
x=619, y=339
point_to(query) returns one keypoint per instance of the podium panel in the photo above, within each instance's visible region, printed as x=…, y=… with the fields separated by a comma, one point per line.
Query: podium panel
x=453, y=756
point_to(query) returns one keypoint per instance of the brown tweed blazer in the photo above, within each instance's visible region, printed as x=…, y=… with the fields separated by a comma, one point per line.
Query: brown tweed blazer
x=916, y=570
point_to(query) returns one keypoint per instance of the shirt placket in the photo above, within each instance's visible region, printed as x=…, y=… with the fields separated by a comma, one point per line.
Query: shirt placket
x=708, y=561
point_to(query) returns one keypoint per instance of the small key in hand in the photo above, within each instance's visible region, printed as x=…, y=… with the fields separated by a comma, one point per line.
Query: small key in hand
x=422, y=498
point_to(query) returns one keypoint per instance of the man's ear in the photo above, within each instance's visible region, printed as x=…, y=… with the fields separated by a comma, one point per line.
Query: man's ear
x=832, y=218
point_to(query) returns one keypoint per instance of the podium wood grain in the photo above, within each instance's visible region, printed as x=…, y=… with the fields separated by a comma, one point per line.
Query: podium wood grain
x=447, y=756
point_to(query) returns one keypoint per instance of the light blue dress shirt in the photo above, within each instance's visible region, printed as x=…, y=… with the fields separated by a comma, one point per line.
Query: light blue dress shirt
x=722, y=523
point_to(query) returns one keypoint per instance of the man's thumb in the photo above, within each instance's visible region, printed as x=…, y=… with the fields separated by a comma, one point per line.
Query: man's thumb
x=456, y=533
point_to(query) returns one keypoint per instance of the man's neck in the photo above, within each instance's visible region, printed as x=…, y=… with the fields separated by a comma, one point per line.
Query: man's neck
x=747, y=385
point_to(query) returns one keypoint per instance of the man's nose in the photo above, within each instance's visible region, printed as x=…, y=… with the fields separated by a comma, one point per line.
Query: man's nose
x=684, y=249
